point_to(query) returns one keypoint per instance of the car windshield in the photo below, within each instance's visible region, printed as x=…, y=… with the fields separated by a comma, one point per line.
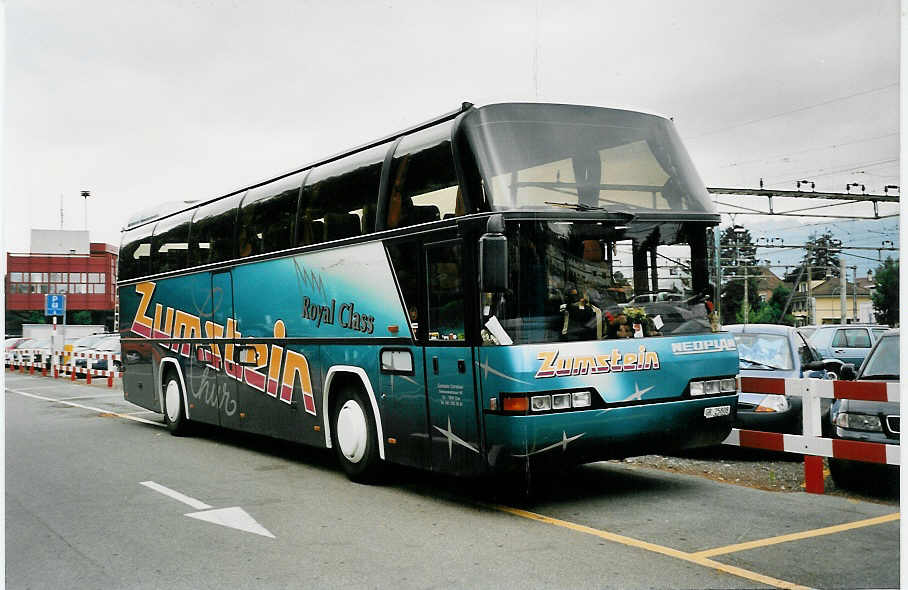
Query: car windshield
x=764, y=351
x=547, y=156
x=596, y=280
x=884, y=361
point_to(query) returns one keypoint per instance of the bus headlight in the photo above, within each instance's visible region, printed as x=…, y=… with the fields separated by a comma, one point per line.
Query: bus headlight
x=714, y=386
x=582, y=399
x=561, y=401
x=541, y=403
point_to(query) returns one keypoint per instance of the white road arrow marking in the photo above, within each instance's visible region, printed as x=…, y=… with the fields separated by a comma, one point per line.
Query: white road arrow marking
x=233, y=517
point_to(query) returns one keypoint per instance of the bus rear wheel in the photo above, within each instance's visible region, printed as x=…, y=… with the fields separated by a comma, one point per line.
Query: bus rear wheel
x=353, y=436
x=174, y=412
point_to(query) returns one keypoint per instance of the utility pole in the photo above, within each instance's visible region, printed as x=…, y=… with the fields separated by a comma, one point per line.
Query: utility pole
x=809, y=288
x=854, y=294
x=843, y=290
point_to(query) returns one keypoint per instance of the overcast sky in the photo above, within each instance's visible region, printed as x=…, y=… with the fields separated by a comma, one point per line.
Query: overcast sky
x=145, y=102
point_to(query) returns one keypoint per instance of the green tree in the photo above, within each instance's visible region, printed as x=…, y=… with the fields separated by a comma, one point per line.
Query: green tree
x=738, y=256
x=822, y=254
x=885, y=294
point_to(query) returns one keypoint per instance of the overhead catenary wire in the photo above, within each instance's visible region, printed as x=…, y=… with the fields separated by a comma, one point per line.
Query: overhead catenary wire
x=797, y=110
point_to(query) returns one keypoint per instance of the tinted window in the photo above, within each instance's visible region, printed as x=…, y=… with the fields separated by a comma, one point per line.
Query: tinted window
x=405, y=260
x=423, y=180
x=852, y=338
x=884, y=362
x=211, y=235
x=135, y=252
x=267, y=216
x=170, y=243
x=446, y=315
x=339, y=198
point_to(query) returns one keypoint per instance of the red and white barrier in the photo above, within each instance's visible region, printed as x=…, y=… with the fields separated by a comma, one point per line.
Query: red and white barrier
x=14, y=361
x=811, y=443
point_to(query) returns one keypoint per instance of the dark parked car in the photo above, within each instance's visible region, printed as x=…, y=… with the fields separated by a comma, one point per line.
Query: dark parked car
x=850, y=343
x=869, y=421
x=775, y=351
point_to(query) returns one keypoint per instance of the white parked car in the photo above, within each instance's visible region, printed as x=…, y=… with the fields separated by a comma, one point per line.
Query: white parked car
x=106, y=347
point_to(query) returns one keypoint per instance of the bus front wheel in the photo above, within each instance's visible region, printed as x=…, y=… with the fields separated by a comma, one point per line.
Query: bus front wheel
x=353, y=435
x=174, y=412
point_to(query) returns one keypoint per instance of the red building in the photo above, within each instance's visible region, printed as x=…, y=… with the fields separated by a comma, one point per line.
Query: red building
x=64, y=263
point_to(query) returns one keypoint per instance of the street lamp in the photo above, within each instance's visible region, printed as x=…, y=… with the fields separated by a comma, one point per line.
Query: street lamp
x=85, y=195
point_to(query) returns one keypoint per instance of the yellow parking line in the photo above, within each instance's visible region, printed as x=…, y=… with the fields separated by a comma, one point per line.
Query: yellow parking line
x=798, y=536
x=668, y=551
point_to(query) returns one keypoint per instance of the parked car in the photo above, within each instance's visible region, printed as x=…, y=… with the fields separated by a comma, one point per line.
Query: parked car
x=771, y=350
x=9, y=345
x=83, y=344
x=850, y=343
x=107, y=346
x=869, y=421
x=807, y=331
x=31, y=349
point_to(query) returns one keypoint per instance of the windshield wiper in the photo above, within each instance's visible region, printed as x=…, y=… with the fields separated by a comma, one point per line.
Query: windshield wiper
x=584, y=207
x=880, y=376
x=753, y=362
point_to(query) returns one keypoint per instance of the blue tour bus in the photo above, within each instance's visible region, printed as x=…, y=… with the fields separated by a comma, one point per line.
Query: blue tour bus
x=499, y=288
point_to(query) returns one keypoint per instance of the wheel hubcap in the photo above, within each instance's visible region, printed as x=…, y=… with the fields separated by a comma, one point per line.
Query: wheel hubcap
x=172, y=400
x=352, y=431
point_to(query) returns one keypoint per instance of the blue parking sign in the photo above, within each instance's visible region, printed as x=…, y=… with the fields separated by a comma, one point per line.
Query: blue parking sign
x=54, y=305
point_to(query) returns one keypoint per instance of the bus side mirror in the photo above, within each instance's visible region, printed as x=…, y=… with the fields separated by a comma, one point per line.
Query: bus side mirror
x=493, y=257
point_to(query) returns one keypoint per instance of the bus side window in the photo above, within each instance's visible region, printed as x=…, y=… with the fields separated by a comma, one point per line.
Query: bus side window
x=338, y=197
x=267, y=215
x=170, y=243
x=405, y=260
x=446, y=314
x=423, y=179
x=211, y=235
x=136, y=252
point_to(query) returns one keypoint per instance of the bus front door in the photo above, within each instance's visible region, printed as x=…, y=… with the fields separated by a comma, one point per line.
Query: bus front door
x=450, y=392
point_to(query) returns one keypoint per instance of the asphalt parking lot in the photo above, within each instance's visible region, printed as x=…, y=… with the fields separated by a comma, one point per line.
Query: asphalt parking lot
x=99, y=495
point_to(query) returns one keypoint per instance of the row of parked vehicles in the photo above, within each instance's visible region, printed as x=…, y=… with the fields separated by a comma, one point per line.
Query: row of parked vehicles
x=90, y=352
x=847, y=352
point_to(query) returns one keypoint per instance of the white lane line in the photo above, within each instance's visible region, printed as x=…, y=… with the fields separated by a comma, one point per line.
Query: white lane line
x=66, y=399
x=84, y=407
x=197, y=504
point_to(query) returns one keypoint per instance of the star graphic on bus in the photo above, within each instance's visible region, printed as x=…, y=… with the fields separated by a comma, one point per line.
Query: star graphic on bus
x=453, y=438
x=487, y=368
x=563, y=443
x=638, y=393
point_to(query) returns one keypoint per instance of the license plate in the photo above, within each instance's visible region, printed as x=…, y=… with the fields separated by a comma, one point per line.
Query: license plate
x=716, y=411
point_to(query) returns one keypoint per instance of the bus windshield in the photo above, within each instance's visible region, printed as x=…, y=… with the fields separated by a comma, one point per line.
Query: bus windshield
x=596, y=280
x=549, y=156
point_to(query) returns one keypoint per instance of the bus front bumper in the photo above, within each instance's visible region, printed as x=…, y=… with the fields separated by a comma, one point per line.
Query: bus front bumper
x=594, y=435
